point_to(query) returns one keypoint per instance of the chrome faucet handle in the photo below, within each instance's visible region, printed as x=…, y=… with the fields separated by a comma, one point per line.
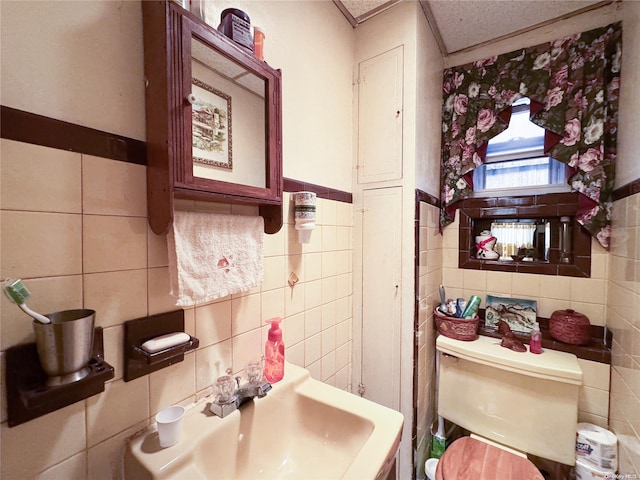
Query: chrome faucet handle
x=225, y=388
x=254, y=371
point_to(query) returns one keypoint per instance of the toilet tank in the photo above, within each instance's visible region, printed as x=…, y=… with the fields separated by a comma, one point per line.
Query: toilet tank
x=521, y=400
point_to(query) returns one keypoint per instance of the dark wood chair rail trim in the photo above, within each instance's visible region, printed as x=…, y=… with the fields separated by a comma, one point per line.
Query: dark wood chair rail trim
x=291, y=185
x=631, y=188
x=49, y=132
x=36, y=129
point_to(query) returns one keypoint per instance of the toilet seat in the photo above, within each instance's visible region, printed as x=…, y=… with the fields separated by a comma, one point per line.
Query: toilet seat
x=471, y=459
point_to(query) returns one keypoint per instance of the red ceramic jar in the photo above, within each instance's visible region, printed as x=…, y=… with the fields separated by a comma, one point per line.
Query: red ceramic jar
x=569, y=326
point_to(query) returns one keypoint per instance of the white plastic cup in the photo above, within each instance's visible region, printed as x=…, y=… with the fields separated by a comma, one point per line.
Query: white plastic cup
x=169, y=423
x=304, y=236
x=430, y=467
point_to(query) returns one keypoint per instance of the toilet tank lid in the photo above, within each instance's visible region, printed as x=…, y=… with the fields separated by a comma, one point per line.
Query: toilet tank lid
x=550, y=365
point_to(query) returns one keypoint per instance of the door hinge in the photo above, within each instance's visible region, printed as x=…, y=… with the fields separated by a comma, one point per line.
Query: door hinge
x=361, y=389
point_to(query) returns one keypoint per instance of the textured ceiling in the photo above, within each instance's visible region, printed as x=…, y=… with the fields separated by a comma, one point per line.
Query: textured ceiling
x=357, y=11
x=460, y=24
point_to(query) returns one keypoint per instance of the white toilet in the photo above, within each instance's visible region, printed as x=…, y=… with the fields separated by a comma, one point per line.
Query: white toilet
x=523, y=401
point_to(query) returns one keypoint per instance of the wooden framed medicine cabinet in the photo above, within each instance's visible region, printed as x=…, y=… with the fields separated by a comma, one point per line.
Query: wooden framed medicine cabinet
x=214, y=119
x=544, y=214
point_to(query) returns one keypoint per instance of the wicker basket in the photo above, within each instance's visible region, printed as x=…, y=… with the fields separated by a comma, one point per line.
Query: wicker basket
x=459, y=328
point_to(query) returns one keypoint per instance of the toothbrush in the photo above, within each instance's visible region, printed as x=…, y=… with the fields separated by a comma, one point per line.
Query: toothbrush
x=18, y=294
x=443, y=299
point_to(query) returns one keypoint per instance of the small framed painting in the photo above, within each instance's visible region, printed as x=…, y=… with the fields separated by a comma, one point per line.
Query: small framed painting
x=519, y=313
x=211, y=126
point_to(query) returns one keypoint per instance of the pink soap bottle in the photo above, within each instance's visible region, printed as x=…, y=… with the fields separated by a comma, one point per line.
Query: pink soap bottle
x=535, y=342
x=274, y=352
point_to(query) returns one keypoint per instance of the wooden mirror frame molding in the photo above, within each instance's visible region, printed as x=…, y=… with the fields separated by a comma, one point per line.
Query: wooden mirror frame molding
x=552, y=205
x=168, y=30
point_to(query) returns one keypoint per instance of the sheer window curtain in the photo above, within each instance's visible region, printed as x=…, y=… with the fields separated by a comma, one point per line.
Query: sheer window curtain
x=512, y=237
x=573, y=84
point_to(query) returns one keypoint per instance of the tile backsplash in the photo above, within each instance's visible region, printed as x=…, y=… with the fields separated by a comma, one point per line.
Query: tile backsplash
x=74, y=228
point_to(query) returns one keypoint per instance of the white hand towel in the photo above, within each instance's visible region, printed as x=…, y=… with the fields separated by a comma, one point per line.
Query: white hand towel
x=213, y=255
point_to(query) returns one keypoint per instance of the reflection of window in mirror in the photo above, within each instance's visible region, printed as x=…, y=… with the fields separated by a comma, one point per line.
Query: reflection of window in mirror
x=529, y=238
x=515, y=163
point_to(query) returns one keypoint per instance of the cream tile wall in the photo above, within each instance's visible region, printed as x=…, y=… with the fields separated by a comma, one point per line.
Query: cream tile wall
x=593, y=402
x=430, y=273
x=77, y=234
x=623, y=319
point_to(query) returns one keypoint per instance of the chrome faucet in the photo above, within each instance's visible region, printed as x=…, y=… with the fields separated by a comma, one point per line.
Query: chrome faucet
x=232, y=395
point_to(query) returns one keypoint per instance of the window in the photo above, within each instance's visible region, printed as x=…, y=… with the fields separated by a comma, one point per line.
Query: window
x=515, y=161
x=520, y=197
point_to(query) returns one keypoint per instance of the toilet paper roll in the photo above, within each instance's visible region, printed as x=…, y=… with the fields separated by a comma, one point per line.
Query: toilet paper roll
x=586, y=471
x=597, y=446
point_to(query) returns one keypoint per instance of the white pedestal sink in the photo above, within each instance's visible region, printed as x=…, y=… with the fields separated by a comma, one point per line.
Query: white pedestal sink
x=303, y=428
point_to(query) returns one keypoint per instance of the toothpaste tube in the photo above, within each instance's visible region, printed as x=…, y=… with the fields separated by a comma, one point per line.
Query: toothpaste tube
x=472, y=307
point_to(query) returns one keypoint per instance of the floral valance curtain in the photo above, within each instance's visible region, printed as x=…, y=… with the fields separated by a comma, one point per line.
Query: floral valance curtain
x=573, y=84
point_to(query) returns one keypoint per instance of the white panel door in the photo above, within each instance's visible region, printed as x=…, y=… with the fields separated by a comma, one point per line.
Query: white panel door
x=380, y=117
x=381, y=309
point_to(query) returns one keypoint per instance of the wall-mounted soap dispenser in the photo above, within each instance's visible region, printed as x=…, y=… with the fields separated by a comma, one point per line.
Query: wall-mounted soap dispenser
x=305, y=214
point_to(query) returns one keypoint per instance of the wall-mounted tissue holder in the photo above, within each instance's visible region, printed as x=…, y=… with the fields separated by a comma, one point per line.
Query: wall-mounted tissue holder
x=29, y=397
x=137, y=360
